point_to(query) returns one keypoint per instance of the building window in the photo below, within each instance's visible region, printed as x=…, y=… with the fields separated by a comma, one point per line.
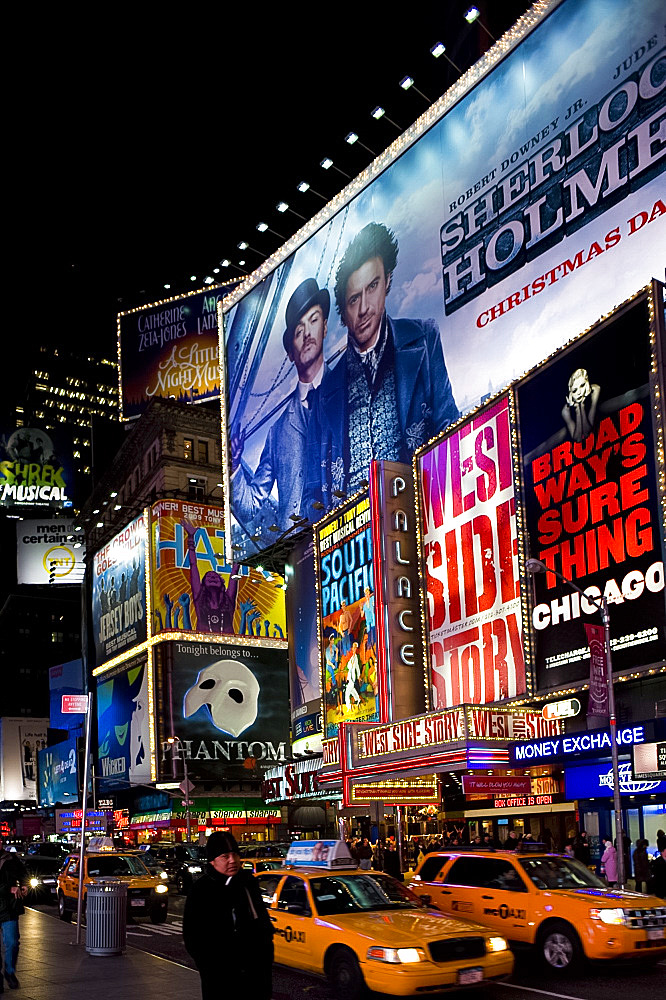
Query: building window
x=202, y=452
x=188, y=449
x=57, y=636
x=196, y=489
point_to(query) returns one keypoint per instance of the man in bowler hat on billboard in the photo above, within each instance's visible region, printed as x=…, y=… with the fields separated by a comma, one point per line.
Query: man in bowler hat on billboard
x=283, y=460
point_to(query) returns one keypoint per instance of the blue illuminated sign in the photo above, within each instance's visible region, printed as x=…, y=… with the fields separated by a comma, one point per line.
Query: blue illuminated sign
x=593, y=781
x=58, y=774
x=593, y=743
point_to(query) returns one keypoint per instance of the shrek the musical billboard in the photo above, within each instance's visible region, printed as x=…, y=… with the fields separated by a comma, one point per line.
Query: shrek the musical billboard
x=530, y=207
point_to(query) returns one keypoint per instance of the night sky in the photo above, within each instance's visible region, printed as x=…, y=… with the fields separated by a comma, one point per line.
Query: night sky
x=143, y=151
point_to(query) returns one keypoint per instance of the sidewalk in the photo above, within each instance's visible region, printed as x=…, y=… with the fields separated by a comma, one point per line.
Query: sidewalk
x=50, y=967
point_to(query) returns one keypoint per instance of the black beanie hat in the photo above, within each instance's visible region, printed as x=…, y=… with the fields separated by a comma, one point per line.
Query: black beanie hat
x=220, y=843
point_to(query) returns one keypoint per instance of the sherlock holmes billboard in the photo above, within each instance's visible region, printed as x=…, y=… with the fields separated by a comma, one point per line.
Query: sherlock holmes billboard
x=591, y=499
x=529, y=209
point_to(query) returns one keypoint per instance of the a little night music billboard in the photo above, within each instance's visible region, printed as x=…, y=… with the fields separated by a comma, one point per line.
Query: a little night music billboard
x=531, y=206
x=468, y=510
x=591, y=498
x=169, y=349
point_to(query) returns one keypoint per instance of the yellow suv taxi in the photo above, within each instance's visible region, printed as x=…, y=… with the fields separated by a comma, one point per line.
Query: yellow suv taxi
x=364, y=928
x=546, y=900
x=147, y=894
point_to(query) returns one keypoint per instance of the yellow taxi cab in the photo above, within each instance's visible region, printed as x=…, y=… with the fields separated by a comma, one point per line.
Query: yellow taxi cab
x=364, y=928
x=147, y=894
x=256, y=865
x=549, y=901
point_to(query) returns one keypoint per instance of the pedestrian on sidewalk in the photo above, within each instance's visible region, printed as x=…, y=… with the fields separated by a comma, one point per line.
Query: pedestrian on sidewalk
x=13, y=890
x=226, y=927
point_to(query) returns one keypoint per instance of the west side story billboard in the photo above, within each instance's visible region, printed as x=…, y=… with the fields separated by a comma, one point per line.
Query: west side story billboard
x=119, y=592
x=532, y=207
x=470, y=545
x=592, y=506
x=169, y=349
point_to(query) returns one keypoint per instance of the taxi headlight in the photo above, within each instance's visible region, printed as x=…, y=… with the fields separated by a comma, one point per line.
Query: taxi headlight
x=194, y=868
x=497, y=944
x=34, y=882
x=608, y=916
x=396, y=956
x=161, y=888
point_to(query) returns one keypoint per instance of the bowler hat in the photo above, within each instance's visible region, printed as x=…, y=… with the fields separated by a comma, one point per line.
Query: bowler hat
x=220, y=843
x=307, y=294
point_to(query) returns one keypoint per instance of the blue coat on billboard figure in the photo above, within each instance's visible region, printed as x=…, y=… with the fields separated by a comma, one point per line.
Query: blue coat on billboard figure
x=283, y=460
x=390, y=392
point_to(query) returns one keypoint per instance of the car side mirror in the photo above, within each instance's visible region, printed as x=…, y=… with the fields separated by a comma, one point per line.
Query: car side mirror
x=298, y=909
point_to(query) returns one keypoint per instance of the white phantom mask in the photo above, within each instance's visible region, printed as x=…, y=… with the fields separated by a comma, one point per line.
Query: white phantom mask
x=231, y=692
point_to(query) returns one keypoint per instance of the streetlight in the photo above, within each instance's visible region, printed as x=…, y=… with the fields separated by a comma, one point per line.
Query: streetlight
x=536, y=566
x=186, y=781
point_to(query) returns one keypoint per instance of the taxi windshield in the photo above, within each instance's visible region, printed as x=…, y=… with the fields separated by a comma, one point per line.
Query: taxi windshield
x=109, y=865
x=560, y=873
x=359, y=894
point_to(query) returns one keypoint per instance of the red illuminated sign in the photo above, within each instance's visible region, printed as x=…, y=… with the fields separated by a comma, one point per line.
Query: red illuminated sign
x=473, y=784
x=523, y=800
x=470, y=545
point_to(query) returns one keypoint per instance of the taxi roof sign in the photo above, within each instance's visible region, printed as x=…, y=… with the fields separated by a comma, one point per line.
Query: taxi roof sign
x=319, y=854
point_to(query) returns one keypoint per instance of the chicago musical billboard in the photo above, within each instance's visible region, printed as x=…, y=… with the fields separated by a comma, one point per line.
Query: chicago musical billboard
x=530, y=206
x=592, y=507
x=193, y=589
x=470, y=547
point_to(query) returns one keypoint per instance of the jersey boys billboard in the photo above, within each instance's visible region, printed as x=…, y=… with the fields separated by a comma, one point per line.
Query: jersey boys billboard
x=169, y=349
x=119, y=592
x=531, y=208
x=193, y=588
x=591, y=498
x=470, y=548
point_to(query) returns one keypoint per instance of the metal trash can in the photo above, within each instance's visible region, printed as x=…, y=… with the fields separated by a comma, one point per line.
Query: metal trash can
x=106, y=917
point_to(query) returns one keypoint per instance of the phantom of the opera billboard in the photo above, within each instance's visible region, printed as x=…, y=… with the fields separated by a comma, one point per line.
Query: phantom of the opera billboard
x=525, y=205
x=169, y=349
x=49, y=550
x=123, y=726
x=346, y=616
x=119, y=592
x=470, y=548
x=304, y=667
x=228, y=706
x=195, y=590
x=592, y=505
x=35, y=469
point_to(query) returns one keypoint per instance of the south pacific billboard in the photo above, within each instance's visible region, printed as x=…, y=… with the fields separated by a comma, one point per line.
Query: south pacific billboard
x=592, y=505
x=193, y=587
x=123, y=726
x=532, y=206
x=304, y=666
x=168, y=349
x=119, y=592
x=228, y=706
x=470, y=545
x=346, y=612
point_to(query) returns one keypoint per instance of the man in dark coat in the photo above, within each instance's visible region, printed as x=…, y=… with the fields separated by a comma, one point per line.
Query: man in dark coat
x=390, y=391
x=12, y=891
x=226, y=927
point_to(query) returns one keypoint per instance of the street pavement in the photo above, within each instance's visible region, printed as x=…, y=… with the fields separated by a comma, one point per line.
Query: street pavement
x=157, y=965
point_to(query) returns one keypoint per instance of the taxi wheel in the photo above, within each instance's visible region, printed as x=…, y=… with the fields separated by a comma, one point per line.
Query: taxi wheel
x=63, y=912
x=559, y=947
x=345, y=975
